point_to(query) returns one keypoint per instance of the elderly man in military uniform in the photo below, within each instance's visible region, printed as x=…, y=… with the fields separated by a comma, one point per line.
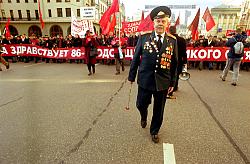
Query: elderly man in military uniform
x=2, y=60
x=155, y=58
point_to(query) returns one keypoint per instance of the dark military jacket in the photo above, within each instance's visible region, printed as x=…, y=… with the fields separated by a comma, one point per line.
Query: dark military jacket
x=157, y=69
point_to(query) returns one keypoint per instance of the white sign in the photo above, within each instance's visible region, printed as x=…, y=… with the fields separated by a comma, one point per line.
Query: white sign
x=87, y=12
x=79, y=27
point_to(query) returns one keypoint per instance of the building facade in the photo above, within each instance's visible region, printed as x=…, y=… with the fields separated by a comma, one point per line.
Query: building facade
x=226, y=18
x=24, y=15
x=245, y=15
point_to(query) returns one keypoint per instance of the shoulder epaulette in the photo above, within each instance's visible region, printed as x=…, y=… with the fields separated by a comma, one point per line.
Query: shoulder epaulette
x=146, y=32
x=170, y=35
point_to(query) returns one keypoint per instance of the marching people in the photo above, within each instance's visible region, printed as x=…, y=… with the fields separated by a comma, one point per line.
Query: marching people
x=182, y=58
x=209, y=43
x=35, y=41
x=234, y=58
x=119, y=46
x=155, y=58
x=25, y=40
x=90, y=43
x=77, y=42
x=109, y=39
x=132, y=40
x=2, y=60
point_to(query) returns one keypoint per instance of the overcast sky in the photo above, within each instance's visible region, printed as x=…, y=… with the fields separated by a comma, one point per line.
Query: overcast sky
x=132, y=6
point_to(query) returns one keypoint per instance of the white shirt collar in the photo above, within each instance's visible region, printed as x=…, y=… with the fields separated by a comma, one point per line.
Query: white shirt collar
x=162, y=36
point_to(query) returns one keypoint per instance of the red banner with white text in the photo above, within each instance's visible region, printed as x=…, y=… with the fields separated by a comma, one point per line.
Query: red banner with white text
x=130, y=27
x=193, y=54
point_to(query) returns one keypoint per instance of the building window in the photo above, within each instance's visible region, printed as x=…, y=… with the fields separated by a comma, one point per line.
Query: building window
x=37, y=14
x=11, y=15
x=59, y=12
x=26, y=1
x=67, y=0
x=58, y=0
x=13, y=30
x=35, y=1
x=56, y=30
x=49, y=12
x=48, y=1
x=28, y=14
x=34, y=30
x=20, y=14
x=78, y=12
x=3, y=14
x=68, y=12
x=9, y=1
x=17, y=1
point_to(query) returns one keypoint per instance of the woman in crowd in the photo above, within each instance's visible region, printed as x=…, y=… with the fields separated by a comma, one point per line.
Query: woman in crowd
x=90, y=43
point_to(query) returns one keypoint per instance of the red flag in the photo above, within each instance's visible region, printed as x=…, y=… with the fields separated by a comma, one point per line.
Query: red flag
x=177, y=21
x=114, y=6
x=193, y=27
x=105, y=19
x=146, y=24
x=7, y=30
x=105, y=30
x=40, y=14
x=112, y=24
x=142, y=15
x=208, y=18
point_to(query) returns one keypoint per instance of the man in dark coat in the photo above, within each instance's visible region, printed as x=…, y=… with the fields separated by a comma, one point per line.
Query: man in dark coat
x=182, y=57
x=155, y=58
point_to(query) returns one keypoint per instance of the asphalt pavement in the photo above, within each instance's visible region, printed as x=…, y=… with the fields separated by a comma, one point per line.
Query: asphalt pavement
x=56, y=113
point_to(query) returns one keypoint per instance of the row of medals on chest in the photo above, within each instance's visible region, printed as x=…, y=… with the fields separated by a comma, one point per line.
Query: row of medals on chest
x=165, y=56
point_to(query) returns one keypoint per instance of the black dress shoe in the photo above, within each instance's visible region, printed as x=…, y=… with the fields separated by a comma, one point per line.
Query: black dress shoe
x=234, y=84
x=155, y=138
x=143, y=124
x=8, y=66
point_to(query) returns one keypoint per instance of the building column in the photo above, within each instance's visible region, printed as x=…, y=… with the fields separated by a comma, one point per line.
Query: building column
x=227, y=24
x=233, y=22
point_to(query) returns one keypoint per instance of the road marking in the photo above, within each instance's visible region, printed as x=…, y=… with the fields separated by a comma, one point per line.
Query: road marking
x=168, y=152
x=32, y=65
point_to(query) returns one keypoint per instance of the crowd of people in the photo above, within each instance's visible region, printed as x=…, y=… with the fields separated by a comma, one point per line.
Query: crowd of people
x=110, y=40
x=53, y=42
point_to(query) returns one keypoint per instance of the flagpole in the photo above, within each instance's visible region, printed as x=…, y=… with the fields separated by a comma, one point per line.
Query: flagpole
x=119, y=27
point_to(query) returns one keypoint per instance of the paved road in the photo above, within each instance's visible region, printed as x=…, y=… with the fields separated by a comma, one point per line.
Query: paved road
x=55, y=113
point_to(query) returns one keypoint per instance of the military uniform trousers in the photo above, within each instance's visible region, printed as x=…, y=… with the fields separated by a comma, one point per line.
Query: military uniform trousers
x=144, y=97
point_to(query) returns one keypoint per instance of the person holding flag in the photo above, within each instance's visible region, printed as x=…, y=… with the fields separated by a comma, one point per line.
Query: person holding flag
x=155, y=58
x=119, y=44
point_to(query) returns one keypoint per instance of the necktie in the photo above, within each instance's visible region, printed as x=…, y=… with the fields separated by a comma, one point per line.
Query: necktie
x=159, y=43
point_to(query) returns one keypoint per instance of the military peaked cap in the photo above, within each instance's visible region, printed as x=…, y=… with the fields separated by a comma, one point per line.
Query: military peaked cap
x=160, y=12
